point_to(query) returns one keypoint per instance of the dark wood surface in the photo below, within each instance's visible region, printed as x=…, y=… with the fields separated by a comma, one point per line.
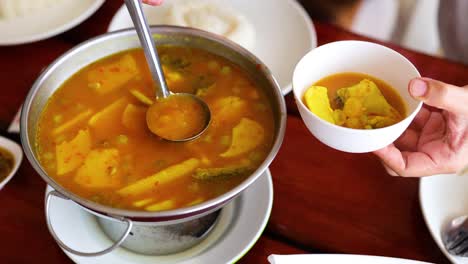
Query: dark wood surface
x=325, y=201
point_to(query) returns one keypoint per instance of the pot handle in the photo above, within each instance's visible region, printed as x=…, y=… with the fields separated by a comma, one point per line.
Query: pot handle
x=79, y=253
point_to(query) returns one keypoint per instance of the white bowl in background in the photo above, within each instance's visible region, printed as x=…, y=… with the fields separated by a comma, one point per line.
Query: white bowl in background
x=363, y=57
x=17, y=153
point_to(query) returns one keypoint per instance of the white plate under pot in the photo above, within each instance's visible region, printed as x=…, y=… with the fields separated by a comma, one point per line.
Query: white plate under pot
x=239, y=226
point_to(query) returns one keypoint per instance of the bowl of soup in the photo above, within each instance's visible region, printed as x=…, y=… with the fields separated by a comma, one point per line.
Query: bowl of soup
x=84, y=131
x=10, y=160
x=353, y=95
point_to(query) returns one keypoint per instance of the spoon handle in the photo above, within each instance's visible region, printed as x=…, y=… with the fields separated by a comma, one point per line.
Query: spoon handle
x=149, y=48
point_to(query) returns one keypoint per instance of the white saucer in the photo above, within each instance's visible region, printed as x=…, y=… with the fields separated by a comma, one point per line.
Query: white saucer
x=442, y=198
x=46, y=22
x=284, y=32
x=240, y=225
x=338, y=259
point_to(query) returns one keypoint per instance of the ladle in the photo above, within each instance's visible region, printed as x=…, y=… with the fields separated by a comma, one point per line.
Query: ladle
x=175, y=117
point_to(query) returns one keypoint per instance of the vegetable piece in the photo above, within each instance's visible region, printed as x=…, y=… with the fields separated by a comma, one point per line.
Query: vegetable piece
x=81, y=117
x=143, y=202
x=203, y=91
x=164, y=205
x=225, y=70
x=213, y=65
x=141, y=97
x=175, y=63
x=100, y=169
x=113, y=76
x=70, y=155
x=366, y=106
x=134, y=118
x=194, y=202
x=172, y=76
x=58, y=119
x=171, y=173
x=353, y=107
x=122, y=139
x=316, y=99
x=94, y=85
x=203, y=82
x=217, y=173
x=105, y=120
x=246, y=136
x=228, y=108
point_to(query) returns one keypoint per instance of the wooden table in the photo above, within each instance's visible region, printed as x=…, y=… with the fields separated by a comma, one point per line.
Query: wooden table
x=325, y=201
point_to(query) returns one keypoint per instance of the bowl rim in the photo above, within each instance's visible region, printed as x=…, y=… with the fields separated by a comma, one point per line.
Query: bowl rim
x=169, y=215
x=17, y=152
x=301, y=104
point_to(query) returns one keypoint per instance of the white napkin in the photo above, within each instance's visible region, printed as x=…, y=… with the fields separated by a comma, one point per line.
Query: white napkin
x=337, y=258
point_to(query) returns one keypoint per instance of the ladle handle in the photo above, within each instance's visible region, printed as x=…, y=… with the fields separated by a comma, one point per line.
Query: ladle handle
x=71, y=250
x=149, y=48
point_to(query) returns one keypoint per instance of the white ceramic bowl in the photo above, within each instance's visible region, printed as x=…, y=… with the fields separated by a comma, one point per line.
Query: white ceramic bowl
x=14, y=149
x=355, y=56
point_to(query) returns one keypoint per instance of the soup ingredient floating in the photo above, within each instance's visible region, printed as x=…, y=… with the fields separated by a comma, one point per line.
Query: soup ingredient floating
x=6, y=163
x=361, y=105
x=93, y=137
x=211, y=16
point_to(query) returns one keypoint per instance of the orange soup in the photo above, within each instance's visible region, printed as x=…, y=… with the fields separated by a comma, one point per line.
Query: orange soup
x=6, y=163
x=93, y=138
x=355, y=100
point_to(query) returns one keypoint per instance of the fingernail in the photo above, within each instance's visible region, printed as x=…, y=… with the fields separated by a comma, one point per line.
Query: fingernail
x=418, y=88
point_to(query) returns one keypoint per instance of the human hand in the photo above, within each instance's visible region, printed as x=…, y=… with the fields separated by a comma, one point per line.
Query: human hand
x=153, y=2
x=436, y=142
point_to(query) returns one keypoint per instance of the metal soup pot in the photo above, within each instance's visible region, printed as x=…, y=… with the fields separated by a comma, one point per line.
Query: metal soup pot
x=101, y=46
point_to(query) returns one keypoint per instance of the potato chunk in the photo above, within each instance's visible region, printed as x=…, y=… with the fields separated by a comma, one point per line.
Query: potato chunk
x=171, y=173
x=70, y=155
x=228, y=108
x=100, y=169
x=81, y=117
x=105, y=120
x=161, y=206
x=246, y=136
x=108, y=78
x=365, y=101
x=316, y=99
x=134, y=118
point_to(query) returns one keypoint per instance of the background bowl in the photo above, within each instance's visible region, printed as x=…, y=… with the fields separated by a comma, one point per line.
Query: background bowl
x=363, y=57
x=102, y=46
x=17, y=153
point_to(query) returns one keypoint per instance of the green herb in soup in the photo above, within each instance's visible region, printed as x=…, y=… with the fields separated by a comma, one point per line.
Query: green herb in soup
x=94, y=140
x=7, y=162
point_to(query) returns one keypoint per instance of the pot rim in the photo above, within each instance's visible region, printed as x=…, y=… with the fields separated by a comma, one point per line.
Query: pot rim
x=209, y=205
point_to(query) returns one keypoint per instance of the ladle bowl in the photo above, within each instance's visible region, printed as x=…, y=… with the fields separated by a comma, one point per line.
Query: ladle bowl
x=162, y=91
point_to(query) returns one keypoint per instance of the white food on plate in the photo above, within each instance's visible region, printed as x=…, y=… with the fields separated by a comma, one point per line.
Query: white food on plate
x=17, y=8
x=212, y=17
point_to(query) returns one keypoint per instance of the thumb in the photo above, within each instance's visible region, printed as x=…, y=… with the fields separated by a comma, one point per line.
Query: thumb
x=153, y=2
x=439, y=94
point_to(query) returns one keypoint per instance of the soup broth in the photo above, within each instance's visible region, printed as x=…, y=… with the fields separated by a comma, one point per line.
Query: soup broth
x=347, y=79
x=6, y=163
x=355, y=100
x=93, y=138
